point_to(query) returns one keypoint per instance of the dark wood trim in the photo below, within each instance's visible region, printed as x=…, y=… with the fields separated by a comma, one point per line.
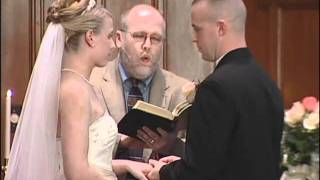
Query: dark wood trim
x=42, y=18
x=37, y=28
x=32, y=29
x=314, y=4
x=155, y=3
x=274, y=43
x=165, y=46
x=277, y=67
x=104, y=3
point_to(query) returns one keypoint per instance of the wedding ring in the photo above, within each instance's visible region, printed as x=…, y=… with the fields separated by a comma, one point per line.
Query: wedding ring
x=152, y=141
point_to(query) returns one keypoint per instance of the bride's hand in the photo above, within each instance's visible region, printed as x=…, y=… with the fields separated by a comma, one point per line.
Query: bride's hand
x=157, y=165
x=169, y=159
x=139, y=170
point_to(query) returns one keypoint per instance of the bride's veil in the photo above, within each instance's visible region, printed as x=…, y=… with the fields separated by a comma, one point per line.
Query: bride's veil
x=33, y=153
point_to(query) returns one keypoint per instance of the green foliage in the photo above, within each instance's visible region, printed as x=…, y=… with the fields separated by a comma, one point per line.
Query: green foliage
x=298, y=144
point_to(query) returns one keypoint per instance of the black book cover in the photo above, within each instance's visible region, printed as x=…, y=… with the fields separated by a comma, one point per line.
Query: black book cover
x=135, y=119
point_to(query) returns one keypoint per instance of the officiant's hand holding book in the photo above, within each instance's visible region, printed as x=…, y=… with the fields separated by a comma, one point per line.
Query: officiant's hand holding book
x=146, y=114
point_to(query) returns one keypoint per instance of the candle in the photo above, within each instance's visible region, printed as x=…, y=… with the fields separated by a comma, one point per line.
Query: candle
x=7, y=125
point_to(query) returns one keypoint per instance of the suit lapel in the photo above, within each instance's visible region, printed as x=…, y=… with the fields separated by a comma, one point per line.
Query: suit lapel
x=112, y=91
x=159, y=90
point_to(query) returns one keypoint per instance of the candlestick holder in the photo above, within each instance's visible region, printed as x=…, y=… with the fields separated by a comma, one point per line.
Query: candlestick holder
x=4, y=166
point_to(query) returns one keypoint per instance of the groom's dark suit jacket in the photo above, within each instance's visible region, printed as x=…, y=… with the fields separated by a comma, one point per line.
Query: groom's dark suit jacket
x=235, y=127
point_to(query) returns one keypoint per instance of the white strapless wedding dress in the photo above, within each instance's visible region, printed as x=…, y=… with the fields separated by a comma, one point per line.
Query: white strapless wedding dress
x=102, y=138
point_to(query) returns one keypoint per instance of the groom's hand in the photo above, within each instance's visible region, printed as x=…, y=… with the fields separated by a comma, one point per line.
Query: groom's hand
x=154, y=173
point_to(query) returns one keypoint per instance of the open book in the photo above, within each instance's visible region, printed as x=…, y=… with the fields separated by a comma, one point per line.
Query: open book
x=146, y=114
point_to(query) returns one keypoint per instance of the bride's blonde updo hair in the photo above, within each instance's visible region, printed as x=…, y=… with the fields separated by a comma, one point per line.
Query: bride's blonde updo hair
x=77, y=19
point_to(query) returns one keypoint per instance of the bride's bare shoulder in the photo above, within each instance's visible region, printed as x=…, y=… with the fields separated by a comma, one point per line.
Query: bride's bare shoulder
x=73, y=87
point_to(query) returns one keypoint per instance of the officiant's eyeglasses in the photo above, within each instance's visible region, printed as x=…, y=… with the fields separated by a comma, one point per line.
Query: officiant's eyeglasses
x=141, y=37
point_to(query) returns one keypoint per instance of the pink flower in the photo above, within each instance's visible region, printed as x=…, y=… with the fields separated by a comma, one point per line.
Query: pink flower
x=310, y=103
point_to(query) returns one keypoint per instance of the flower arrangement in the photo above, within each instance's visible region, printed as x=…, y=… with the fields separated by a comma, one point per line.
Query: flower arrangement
x=189, y=91
x=301, y=132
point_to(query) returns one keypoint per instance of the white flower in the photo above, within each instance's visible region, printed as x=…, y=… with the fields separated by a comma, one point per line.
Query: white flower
x=189, y=91
x=91, y=4
x=316, y=110
x=311, y=121
x=295, y=114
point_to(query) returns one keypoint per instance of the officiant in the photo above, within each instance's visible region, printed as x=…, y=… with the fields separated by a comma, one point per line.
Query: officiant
x=136, y=75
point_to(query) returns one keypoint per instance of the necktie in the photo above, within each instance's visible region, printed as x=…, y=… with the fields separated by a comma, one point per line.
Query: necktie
x=133, y=96
x=134, y=93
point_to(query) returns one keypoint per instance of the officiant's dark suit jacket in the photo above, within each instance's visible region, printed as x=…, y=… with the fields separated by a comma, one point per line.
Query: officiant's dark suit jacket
x=235, y=127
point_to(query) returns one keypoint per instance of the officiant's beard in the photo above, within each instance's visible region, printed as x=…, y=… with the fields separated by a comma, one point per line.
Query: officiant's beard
x=135, y=68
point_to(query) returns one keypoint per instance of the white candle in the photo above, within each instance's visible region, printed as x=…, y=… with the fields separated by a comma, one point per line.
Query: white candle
x=7, y=130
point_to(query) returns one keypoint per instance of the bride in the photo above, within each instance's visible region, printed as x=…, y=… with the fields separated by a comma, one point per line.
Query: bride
x=65, y=130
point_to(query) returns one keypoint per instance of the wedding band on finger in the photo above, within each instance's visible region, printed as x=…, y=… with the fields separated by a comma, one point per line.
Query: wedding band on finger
x=152, y=141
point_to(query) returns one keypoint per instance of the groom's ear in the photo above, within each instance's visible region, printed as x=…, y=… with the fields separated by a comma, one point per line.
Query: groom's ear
x=90, y=38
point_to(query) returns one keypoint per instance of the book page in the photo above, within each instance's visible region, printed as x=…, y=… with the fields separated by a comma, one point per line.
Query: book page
x=180, y=108
x=153, y=109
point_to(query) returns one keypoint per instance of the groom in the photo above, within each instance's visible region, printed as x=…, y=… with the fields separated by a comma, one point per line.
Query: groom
x=234, y=131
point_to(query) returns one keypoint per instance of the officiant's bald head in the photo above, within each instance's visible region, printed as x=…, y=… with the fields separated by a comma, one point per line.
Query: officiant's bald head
x=142, y=12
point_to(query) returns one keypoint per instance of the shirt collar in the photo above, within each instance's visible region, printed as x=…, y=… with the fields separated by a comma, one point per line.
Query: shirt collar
x=218, y=60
